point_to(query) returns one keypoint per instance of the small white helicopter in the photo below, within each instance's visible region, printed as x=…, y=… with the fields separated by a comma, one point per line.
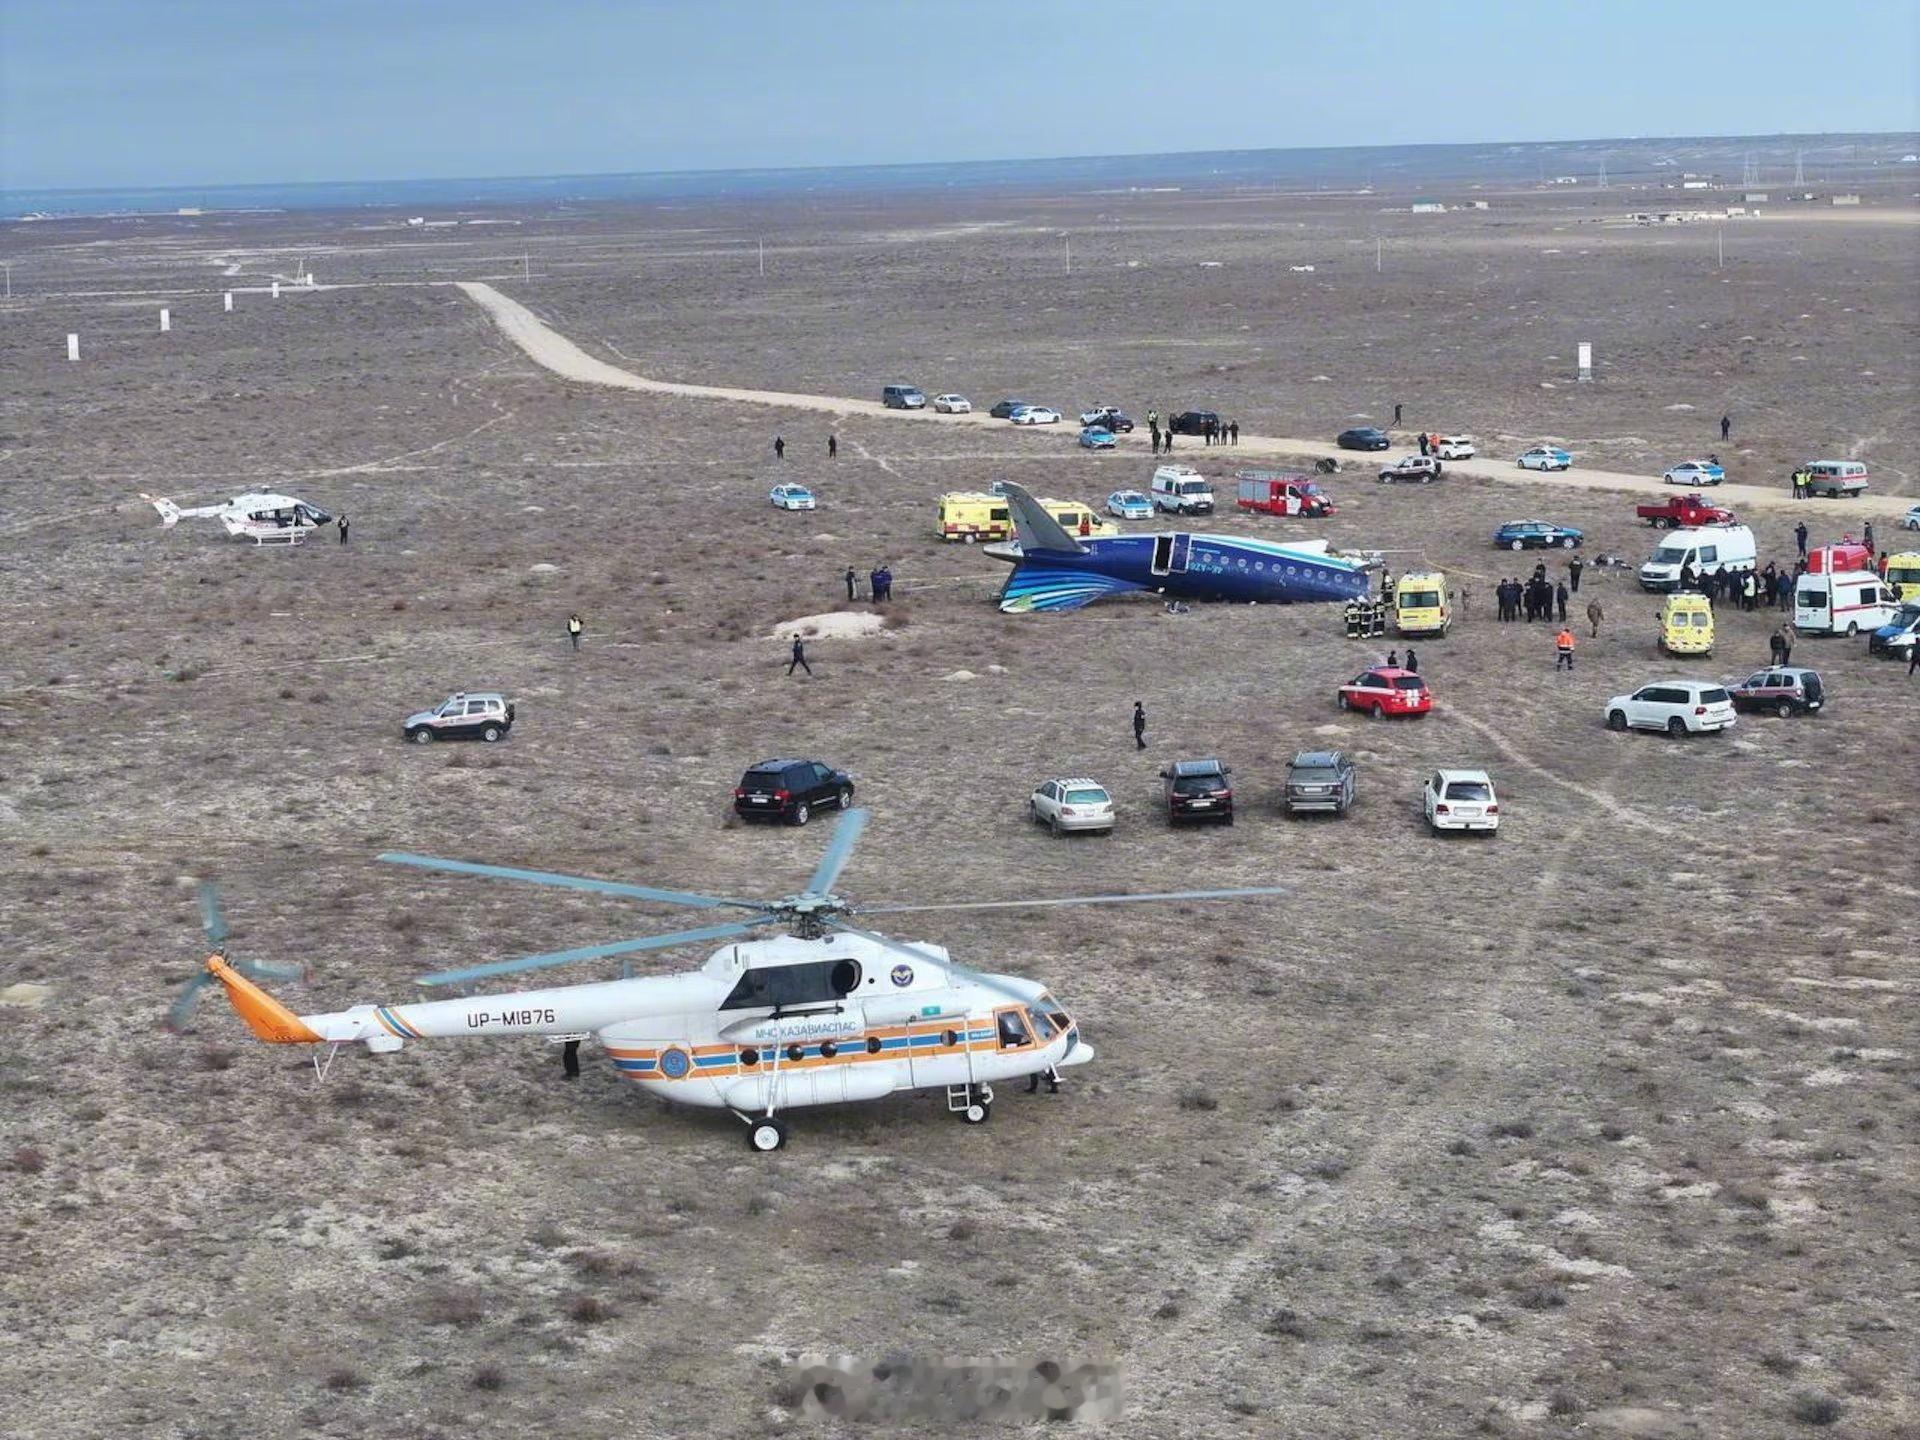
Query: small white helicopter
x=263, y=519
x=825, y=1014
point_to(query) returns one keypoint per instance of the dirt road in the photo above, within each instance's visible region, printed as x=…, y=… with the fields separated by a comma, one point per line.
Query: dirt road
x=547, y=347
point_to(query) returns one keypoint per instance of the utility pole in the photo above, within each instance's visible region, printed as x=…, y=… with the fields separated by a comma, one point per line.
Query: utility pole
x=526, y=265
x=9, y=269
x=763, y=257
x=1720, y=236
x=1603, y=172
x=1799, y=167
x=1069, y=240
x=1376, y=254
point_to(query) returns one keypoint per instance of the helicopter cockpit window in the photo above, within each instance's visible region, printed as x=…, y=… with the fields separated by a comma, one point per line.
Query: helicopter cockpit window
x=817, y=982
x=1042, y=1025
x=1013, y=1030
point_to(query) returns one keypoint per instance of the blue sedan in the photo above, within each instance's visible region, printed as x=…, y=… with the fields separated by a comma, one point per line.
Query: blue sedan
x=1536, y=535
x=1130, y=505
x=1096, y=438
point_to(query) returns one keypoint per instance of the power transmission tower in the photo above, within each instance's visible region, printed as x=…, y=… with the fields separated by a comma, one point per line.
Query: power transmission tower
x=1799, y=167
x=1603, y=172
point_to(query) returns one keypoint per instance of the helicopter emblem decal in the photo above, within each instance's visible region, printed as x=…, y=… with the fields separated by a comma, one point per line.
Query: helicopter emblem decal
x=674, y=1064
x=902, y=975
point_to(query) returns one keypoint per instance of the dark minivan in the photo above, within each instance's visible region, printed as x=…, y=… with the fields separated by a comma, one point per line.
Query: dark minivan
x=1194, y=422
x=791, y=790
x=902, y=397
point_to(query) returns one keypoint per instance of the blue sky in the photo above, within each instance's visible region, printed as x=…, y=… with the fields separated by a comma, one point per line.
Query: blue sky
x=159, y=92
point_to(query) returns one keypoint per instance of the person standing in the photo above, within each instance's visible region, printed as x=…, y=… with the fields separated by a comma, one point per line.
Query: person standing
x=799, y=657
x=853, y=584
x=1786, y=633
x=1052, y=1077
x=833, y=447
x=1574, y=567
x=886, y=582
x=1413, y=662
x=1775, y=647
x=1560, y=598
x=1153, y=419
x=342, y=523
x=574, y=626
x=1396, y=412
x=570, y=1059
x=1423, y=442
x=1866, y=536
x=779, y=447
x=1726, y=426
x=1594, y=616
x=1235, y=428
x=1913, y=659
x=1154, y=431
x=1800, y=538
x=1563, y=649
x=875, y=590
x=1393, y=659
x=1139, y=726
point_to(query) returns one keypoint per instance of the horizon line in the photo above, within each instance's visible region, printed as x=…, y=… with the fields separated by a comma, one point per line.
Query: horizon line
x=1623, y=140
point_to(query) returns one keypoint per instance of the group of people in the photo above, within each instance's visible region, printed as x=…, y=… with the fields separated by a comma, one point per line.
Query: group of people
x=780, y=447
x=1216, y=432
x=1536, y=598
x=879, y=583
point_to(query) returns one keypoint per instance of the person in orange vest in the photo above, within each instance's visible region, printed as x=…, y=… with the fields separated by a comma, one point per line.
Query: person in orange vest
x=1563, y=648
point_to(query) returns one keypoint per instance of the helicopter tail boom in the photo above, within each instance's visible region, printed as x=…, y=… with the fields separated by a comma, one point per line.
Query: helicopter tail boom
x=265, y=1016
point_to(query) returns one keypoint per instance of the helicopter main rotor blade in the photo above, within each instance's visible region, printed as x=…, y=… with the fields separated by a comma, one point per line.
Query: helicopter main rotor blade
x=953, y=968
x=846, y=834
x=211, y=919
x=182, y=1006
x=571, y=882
x=592, y=952
x=1077, y=900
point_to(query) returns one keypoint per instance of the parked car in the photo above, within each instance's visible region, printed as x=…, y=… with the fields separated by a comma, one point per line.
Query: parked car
x=1130, y=505
x=1911, y=520
x=1193, y=422
x=1784, y=690
x=1280, y=492
x=1363, y=437
x=1411, y=469
x=1899, y=635
x=1181, y=490
x=1696, y=473
x=1461, y=800
x=1319, y=780
x=1679, y=707
x=1673, y=512
x=1385, y=690
x=478, y=715
x=791, y=497
x=1545, y=457
x=952, y=405
x=1836, y=479
x=1004, y=410
x=1537, y=535
x=1686, y=624
x=1034, y=415
x=791, y=790
x=1094, y=438
x=1063, y=805
x=1107, y=417
x=1198, y=790
x=902, y=397
x=1455, y=447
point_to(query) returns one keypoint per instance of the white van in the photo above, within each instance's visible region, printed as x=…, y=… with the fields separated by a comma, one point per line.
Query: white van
x=1844, y=603
x=1181, y=490
x=1706, y=548
x=1836, y=479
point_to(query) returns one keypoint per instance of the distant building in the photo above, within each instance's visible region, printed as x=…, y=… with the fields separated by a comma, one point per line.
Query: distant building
x=1846, y=199
x=1696, y=184
x=1566, y=179
x=1481, y=205
x=1755, y=197
x=1428, y=207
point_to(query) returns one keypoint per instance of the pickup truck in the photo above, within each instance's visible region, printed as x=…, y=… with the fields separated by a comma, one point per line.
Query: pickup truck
x=1271, y=492
x=1675, y=512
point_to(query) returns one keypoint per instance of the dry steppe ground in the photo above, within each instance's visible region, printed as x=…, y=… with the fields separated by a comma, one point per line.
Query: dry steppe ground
x=1605, y=1126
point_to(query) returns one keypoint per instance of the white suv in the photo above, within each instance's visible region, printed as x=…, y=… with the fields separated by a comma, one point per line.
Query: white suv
x=1063, y=805
x=1461, y=800
x=1678, y=707
x=1455, y=447
x=481, y=715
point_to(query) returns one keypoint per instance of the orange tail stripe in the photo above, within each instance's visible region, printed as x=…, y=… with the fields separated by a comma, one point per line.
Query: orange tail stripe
x=265, y=1016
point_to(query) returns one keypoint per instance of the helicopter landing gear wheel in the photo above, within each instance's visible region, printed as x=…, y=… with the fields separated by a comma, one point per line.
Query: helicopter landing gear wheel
x=976, y=1112
x=766, y=1135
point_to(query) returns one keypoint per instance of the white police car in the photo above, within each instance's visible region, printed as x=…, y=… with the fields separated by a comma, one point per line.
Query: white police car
x=791, y=497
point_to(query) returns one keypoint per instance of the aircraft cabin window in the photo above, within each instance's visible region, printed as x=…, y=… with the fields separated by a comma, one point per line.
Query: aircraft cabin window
x=815, y=982
x=1012, y=1031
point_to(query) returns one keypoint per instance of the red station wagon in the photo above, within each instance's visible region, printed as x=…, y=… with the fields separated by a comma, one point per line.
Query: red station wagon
x=1386, y=690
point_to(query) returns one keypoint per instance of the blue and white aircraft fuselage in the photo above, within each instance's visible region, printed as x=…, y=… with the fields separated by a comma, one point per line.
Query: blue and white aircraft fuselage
x=1053, y=570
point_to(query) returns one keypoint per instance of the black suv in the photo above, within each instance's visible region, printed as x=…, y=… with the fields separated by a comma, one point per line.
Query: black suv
x=1004, y=410
x=1113, y=421
x=791, y=790
x=1319, y=780
x=1198, y=790
x=1194, y=422
x=1364, y=437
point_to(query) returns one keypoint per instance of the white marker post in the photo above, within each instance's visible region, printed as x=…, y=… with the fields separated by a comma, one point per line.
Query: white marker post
x=229, y=300
x=276, y=289
x=73, y=347
x=1586, y=361
x=166, y=321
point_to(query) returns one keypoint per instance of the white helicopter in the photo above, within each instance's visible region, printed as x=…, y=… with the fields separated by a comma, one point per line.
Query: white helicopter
x=263, y=519
x=825, y=1014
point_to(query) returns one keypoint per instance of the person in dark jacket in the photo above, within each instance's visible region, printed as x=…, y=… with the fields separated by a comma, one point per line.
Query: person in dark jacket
x=1139, y=725
x=1413, y=661
x=799, y=657
x=342, y=523
x=833, y=447
x=1800, y=536
x=1574, y=567
x=1423, y=442
x=1560, y=599
x=779, y=447
x=853, y=584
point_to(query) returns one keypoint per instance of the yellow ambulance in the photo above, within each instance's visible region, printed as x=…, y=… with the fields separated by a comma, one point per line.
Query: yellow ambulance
x=971, y=516
x=1903, y=573
x=1686, y=624
x=1420, y=605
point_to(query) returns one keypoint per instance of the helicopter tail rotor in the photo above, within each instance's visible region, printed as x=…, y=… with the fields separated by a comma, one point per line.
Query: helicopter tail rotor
x=213, y=922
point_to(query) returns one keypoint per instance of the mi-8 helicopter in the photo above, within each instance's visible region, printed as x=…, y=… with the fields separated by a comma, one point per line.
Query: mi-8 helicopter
x=826, y=1013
